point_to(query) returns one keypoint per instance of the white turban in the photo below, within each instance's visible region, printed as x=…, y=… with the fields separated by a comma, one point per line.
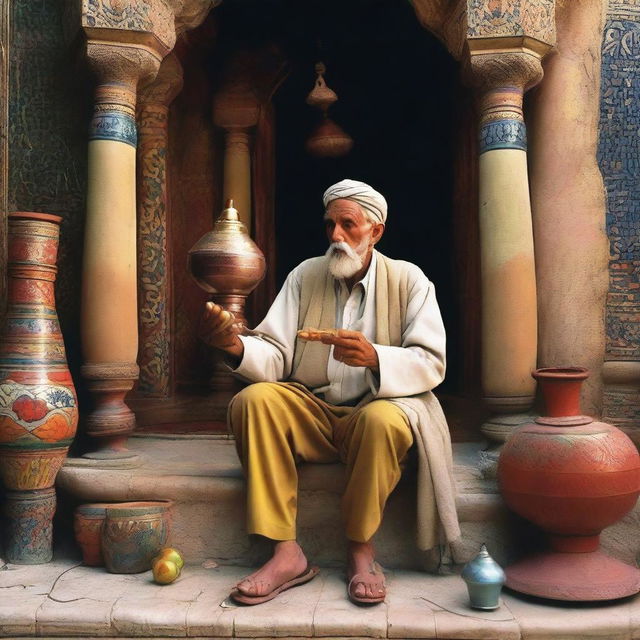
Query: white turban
x=367, y=197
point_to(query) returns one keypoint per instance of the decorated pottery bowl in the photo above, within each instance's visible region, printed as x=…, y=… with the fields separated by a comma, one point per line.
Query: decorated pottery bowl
x=133, y=533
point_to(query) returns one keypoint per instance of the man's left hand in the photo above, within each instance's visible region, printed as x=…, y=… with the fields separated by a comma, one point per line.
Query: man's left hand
x=352, y=348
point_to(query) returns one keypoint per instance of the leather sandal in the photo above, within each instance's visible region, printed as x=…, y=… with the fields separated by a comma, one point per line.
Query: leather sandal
x=308, y=574
x=379, y=585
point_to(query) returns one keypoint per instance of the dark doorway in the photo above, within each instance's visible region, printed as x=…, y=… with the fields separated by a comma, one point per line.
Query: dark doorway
x=396, y=85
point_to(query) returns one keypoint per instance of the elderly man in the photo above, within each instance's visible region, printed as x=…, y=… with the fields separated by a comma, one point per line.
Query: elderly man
x=344, y=363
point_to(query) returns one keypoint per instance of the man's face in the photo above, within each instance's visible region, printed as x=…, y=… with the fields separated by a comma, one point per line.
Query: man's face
x=345, y=222
x=350, y=235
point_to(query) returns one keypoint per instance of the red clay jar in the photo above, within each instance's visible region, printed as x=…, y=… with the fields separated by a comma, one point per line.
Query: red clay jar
x=572, y=476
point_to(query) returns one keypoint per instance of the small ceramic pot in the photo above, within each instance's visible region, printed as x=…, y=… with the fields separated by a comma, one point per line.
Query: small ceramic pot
x=87, y=525
x=133, y=533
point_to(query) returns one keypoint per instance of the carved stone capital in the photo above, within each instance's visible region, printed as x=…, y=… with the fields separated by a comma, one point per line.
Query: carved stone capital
x=118, y=69
x=148, y=24
x=166, y=85
x=236, y=107
x=505, y=69
x=124, y=64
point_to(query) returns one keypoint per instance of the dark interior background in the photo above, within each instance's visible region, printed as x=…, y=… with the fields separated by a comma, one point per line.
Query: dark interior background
x=396, y=85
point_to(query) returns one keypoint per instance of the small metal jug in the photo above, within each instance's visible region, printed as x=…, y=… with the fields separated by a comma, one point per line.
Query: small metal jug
x=484, y=578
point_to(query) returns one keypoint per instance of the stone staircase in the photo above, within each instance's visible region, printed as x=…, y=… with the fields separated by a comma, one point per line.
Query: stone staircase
x=204, y=478
x=202, y=475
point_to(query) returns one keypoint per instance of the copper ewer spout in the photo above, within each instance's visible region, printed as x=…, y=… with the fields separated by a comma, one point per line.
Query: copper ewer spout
x=226, y=261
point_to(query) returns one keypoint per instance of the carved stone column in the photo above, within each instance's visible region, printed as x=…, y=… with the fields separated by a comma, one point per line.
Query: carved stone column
x=509, y=310
x=109, y=301
x=154, y=274
x=506, y=44
x=125, y=43
x=236, y=109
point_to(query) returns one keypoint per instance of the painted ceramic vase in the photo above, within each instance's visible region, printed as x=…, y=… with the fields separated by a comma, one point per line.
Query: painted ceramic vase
x=133, y=533
x=88, y=520
x=572, y=476
x=38, y=404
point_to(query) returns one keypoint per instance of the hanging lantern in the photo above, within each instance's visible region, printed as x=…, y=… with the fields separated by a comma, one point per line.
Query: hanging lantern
x=327, y=140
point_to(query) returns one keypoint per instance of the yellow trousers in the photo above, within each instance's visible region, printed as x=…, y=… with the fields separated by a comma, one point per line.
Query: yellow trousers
x=279, y=424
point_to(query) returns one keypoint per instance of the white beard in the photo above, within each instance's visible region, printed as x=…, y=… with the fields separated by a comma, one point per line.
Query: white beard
x=344, y=261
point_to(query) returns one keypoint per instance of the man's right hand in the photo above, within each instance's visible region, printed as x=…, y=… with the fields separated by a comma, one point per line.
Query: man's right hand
x=218, y=328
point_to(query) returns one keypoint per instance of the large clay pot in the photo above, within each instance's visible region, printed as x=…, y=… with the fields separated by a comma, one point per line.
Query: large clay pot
x=38, y=404
x=571, y=476
x=133, y=533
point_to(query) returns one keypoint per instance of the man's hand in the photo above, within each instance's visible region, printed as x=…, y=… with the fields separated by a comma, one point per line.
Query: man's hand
x=218, y=328
x=352, y=348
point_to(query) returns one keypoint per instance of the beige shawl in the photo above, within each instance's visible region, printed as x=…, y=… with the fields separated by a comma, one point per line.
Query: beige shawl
x=436, y=510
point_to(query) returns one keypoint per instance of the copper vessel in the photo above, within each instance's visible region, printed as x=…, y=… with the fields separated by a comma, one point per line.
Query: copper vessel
x=227, y=263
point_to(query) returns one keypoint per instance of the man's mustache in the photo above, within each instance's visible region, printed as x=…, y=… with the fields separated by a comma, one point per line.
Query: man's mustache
x=343, y=247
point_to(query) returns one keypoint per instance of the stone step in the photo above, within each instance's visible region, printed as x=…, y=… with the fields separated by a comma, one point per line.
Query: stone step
x=204, y=478
x=63, y=599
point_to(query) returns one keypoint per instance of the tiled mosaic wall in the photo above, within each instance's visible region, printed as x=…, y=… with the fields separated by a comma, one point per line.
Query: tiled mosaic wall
x=48, y=140
x=619, y=158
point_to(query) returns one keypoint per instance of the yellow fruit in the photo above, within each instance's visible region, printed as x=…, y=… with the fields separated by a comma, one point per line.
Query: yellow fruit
x=173, y=555
x=165, y=571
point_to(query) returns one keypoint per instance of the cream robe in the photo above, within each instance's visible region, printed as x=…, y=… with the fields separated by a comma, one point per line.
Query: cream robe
x=410, y=343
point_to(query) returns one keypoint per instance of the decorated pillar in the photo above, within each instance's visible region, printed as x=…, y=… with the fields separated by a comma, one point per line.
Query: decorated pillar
x=505, y=61
x=154, y=286
x=125, y=45
x=236, y=110
x=509, y=311
x=109, y=299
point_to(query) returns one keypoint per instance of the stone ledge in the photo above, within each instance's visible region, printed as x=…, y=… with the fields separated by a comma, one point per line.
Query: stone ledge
x=62, y=599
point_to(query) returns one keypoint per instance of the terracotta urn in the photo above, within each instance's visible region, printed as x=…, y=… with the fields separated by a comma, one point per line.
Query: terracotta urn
x=133, y=533
x=572, y=476
x=38, y=404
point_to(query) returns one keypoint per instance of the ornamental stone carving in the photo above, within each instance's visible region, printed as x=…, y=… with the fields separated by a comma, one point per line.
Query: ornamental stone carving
x=511, y=18
x=490, y=25
x=146, y=23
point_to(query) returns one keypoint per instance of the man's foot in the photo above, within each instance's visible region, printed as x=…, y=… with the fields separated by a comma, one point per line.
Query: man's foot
x=287, y=568
x=366, y=579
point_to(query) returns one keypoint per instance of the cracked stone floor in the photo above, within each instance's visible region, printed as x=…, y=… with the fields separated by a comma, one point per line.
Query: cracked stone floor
x=66, y=599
